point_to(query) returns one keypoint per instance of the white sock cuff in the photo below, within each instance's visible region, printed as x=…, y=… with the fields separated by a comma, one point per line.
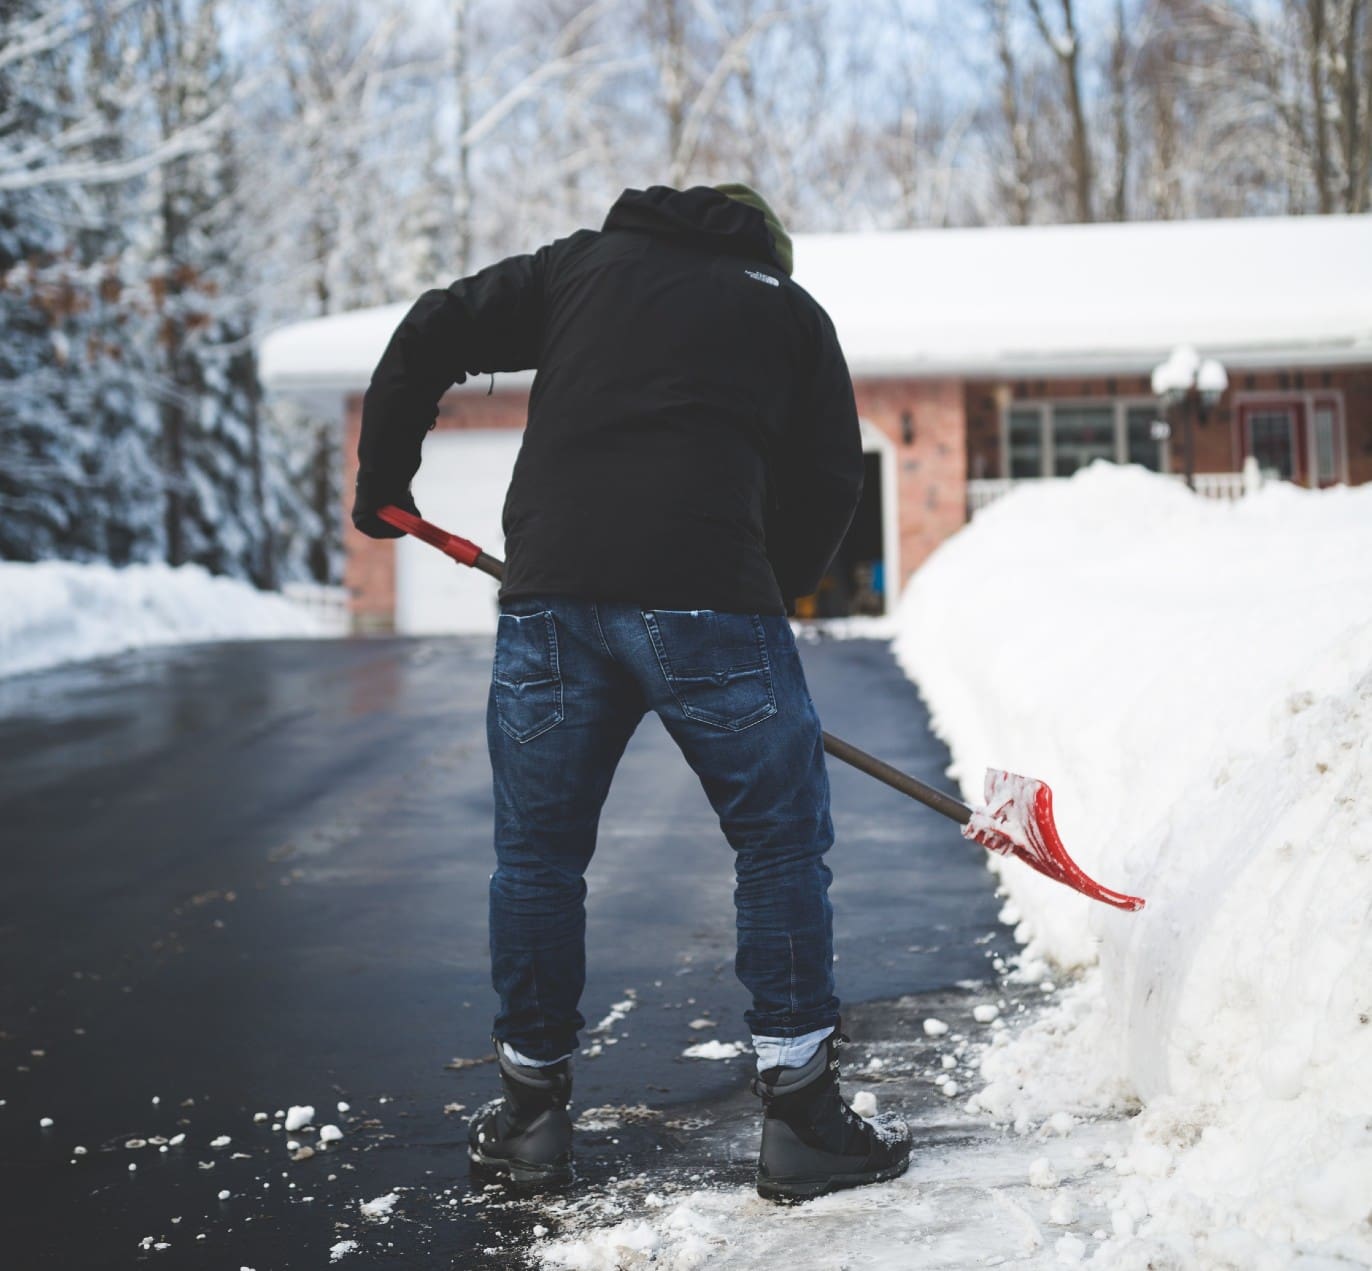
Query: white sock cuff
x=524, y=1061
x=788, y=1052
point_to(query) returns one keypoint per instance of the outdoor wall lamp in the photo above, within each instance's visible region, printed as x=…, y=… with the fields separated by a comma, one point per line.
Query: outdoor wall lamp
x=1186, y=384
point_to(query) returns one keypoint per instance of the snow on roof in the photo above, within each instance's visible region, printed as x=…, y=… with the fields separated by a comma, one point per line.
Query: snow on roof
x=1043, y=300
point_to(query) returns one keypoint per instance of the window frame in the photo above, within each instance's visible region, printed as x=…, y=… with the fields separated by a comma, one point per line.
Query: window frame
x=1045, y=406
x=1305, y=448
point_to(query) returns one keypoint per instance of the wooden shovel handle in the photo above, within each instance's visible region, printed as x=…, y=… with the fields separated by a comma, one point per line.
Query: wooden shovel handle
x=468, y=553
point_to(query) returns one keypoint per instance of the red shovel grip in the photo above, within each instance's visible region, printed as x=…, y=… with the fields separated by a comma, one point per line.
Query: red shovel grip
x=459, y=549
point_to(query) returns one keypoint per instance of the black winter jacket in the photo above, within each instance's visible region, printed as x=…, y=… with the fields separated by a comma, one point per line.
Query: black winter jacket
x=692, y=439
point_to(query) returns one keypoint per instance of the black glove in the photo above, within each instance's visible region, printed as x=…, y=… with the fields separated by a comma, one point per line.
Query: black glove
x=375, y=490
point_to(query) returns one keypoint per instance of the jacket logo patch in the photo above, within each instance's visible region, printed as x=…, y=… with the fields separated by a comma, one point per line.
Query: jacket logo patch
x=761, y=277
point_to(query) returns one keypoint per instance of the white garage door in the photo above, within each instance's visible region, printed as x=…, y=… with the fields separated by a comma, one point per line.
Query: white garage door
x=461, y=486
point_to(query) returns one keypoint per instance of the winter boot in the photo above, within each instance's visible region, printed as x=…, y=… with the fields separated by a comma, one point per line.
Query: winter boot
x=525, y=1139
x=813, y=1142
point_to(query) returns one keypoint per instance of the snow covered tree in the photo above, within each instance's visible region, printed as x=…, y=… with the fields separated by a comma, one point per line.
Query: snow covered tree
x=209, y=398
x=178, y=176
x=131, y=423
x=76, y=427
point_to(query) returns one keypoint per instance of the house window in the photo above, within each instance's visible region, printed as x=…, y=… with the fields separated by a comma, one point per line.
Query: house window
x=1326, y=447
x=1141, y=446
x=1026, y=442
x=1272, y=436
x=1057, y=438
x=1082, y=434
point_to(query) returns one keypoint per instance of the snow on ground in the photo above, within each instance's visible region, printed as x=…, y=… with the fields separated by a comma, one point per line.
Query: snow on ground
x=974, y=1196
x=813, y=630
x=951, y=1208
x=1194, y=680
x=60, y=611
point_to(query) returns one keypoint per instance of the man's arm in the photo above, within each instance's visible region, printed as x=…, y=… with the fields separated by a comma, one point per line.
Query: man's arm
x=818, y=477
x=491, y=321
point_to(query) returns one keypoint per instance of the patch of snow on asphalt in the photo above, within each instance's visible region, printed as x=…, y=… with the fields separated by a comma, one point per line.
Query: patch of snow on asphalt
x=53, y=612
x=299, y=1117
x=618, y=1011
x=1192, y=679
x=714, y=1049
x=380, y=1209
x=814, y=630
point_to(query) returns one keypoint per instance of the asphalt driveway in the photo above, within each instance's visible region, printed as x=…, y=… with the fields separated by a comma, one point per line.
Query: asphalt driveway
x=242, y=877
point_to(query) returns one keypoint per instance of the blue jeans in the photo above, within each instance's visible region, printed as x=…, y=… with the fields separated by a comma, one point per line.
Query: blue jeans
x=571, y=680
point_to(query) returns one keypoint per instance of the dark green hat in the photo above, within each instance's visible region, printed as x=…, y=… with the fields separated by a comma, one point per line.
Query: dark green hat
x=781, y=240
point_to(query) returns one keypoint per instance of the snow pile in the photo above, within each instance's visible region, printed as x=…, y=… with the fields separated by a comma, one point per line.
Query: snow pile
x=1194, y=680
x=687, y=1241
x=961, y=1206
x=59, y=611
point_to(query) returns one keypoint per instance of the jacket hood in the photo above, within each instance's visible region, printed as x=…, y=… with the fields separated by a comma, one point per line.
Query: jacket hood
x=701, y=216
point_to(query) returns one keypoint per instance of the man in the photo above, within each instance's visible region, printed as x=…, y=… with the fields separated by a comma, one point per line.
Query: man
x=691, y=463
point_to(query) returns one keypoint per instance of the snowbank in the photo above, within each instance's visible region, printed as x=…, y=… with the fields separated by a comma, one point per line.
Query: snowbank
x=58, y=611
x=1195, y=682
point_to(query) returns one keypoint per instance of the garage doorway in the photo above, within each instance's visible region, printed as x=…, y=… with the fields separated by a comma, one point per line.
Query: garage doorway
x=461, y=486
x=864, y=580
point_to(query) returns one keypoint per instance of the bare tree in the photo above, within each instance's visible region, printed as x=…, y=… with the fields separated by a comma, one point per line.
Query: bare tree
x=698, y=53
x=1016, y=178
x=1065, y=45
x=1158, y=93
x=1120, y=114
x=1345, y=56
x=459, y=75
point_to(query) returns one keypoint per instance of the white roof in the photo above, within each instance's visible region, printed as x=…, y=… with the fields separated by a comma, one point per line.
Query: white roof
x=1043, y=300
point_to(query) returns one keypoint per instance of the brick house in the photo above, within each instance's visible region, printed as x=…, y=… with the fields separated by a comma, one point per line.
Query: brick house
x=980, y=358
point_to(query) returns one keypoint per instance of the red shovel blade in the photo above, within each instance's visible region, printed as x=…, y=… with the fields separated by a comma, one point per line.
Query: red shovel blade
x=1018, y=821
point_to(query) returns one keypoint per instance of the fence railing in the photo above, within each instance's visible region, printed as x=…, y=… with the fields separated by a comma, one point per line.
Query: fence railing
x=984, y=492
x=1225, y=486
x=1220, y=485
x=329, y=605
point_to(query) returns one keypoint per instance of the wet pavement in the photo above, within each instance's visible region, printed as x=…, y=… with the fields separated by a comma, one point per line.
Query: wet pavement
x=241, y=877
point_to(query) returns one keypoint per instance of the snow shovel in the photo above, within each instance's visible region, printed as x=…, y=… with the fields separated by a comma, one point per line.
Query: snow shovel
x=1017, y=819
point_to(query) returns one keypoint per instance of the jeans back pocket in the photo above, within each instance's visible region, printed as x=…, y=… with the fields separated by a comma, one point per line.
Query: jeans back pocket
x=526, y=675
x=715, y=663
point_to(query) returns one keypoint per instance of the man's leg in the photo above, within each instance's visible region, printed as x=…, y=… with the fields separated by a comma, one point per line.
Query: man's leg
x=561, y=712
x=733, y=695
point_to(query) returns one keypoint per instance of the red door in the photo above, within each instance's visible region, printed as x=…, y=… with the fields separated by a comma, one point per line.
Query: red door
x=1297, y=440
